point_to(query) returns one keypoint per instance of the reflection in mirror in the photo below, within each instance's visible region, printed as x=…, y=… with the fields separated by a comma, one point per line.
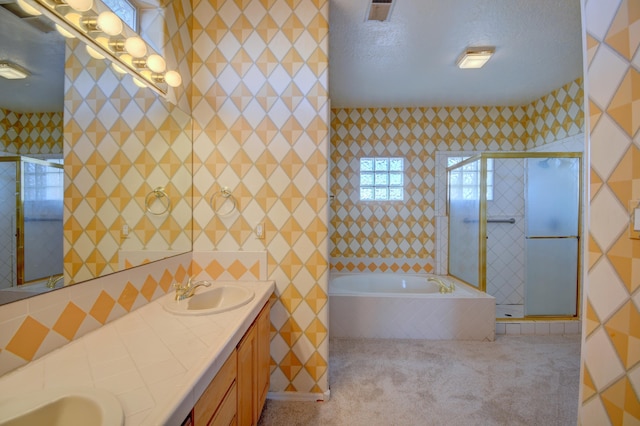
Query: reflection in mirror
x=120, y=143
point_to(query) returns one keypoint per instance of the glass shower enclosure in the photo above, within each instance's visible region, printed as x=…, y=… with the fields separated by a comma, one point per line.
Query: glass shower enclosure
x=514, y=229
x=31, y=199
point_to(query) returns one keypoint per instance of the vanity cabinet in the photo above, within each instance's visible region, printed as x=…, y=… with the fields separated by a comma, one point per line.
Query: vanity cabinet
x=238, y=392
x=253, y=370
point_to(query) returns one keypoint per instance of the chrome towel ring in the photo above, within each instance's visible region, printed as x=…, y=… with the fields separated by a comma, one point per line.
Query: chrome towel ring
x=157, y=195
x=220, y=199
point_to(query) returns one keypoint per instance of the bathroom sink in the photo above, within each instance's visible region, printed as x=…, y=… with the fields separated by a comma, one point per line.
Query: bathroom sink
x=211, y=300
x=62, y=407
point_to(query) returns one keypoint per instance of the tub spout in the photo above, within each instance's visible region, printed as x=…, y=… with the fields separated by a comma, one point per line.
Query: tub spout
x=444, y=287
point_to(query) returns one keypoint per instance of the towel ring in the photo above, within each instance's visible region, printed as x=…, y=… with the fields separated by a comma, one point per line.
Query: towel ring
x=158, y=193
x=218, y=207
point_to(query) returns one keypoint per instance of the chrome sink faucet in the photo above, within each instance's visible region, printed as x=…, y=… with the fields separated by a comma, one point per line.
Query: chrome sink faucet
x=188, y=290
x=444, y=288
x=53, y=280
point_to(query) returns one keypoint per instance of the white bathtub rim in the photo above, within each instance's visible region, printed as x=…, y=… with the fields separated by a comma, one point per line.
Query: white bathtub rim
x=463, y=290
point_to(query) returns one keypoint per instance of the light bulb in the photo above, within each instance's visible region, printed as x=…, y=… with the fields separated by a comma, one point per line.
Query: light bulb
x=173, y=79
x=93, y=53
x=117, y=68
x=156, y=63
x=127, y=59
x=64, y=32
x=80, y=5
x=139, y=82
x=135, y=46
x=109, y=23
x=28, y=8
x=74, y=18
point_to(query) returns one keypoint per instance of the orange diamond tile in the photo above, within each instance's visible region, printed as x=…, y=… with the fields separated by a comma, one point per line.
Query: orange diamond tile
x=316, y=366
x=255, y=270
x=102, y=307
x=316, y=298
x=237, y=269
x=165, y=281
x=215, y=270
x=625, y=105
x=290, y=331
x=291, y=264
x=291, y=298
x=27, y=340
x=128, y=296
x=69, y=321
x=621, y=403
x=624, y=331
x=290, y=365
x=316, y=332
x=595, y=253
x=623, y=34
x=149, y=288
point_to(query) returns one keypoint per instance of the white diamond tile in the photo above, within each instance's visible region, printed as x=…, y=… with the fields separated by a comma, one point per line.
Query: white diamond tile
x=601, y=359
x=606, y=292
x=599, y=15
x=608, y=144
x=608, y=218
x=608, y=69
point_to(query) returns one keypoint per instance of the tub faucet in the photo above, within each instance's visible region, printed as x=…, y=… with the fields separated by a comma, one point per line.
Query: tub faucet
x=53, y=280
x=188, y=290
x=444, y=288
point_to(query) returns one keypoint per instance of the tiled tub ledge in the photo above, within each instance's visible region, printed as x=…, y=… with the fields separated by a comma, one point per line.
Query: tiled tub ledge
x=156, y=363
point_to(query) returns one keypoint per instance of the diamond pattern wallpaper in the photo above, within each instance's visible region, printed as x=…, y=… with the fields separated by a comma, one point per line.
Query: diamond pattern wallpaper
x=31, y=133
x=261, y=129
x=403, y=235
x=611, y=348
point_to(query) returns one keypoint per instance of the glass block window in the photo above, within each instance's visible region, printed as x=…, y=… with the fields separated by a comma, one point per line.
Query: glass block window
x=382, y=179
x=464, y=181
x=126, y=11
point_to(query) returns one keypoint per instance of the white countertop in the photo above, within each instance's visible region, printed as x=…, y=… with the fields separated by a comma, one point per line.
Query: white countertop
x=156, y=363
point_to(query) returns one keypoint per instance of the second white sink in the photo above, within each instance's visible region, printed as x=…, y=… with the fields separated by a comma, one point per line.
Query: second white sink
x=68, y=407
x=211, y=300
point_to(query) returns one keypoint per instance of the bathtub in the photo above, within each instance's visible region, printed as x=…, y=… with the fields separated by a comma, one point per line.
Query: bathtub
x=407, y=306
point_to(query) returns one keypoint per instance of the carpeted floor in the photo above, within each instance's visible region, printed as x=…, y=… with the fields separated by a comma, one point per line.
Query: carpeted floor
x=516, y=380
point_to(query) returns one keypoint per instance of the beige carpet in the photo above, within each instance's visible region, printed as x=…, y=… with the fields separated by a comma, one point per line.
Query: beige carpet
x=516, y=380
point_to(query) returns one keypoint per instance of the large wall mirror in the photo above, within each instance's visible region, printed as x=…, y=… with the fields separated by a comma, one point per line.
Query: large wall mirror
x=95, y=171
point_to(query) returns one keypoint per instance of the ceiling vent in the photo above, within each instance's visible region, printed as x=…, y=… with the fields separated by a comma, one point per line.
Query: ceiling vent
x=380, y=10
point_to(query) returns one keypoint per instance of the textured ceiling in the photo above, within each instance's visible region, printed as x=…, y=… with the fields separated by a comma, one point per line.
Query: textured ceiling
x=410, y=59
x=23, y=42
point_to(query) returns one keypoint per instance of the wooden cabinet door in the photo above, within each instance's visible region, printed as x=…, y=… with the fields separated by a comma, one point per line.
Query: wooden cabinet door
x=247, y=379
x=264, y=356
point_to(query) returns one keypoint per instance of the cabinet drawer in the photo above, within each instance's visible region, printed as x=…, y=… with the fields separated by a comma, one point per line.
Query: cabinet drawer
x=226, y=414
x=213, y=396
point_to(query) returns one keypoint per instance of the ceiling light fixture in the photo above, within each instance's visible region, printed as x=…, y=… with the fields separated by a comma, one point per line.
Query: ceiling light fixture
x=475, y=57
x=11, y=71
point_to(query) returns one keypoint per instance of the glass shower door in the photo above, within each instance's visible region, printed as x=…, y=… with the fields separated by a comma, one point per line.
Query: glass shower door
x=42, y=189
x=464, y=187
x=552, y=236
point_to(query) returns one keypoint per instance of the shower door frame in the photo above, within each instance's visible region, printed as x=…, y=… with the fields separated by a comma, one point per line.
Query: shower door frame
x=482, y=214
x=19, y=160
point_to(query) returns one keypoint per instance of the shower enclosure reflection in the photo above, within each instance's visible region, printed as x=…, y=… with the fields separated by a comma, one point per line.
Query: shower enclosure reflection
x=514, y=230
x=31, y=197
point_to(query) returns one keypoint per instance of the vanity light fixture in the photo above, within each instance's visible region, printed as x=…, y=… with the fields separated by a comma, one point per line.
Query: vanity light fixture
x=11, y=71
x=106, y=37
x=475, y=57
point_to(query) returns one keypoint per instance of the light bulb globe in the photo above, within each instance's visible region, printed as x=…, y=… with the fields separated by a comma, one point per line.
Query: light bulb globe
x=156, y=63
x=80, y=5
x=173, y=79
x=109, y=23
x=135, y=47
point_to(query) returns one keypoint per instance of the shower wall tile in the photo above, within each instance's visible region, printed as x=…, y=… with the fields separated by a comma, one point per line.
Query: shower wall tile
x=407, y=229
x=611, y=383
x=31, y=133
